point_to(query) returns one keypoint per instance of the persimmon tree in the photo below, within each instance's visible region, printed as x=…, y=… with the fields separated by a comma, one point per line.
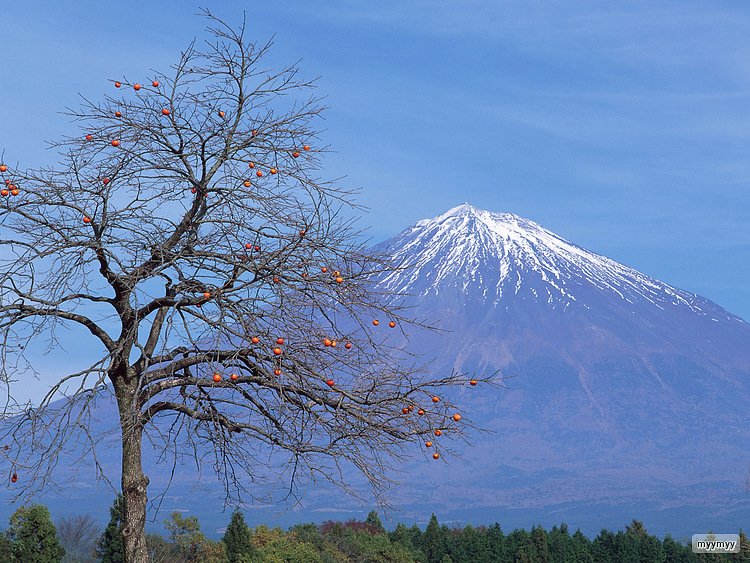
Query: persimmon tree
x=229, y=306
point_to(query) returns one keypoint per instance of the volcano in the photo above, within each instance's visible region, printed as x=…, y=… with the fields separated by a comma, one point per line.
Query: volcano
x=620, y=396
x=620, y=391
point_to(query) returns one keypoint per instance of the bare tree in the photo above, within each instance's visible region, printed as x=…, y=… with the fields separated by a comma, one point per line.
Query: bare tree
x=78, y=536
x=229, y=303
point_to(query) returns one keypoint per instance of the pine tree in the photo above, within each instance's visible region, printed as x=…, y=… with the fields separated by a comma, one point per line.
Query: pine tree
x=34, y=536
x=432, y=541
x=539, y=540
x=522, y=555
x=744, y=554
x=238, y=539
x=374, y=520
x=560, y=545
x=111, y=548
x=6, y=548
x=675, y=552
x=496, y=542
x=582, y=548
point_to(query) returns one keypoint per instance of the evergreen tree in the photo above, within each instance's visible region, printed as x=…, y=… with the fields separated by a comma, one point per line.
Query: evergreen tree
x=432, y=541
x=308, y=533
x=539, y=540
x=744, y=554
x=111, y=548
x=496, y=543
x=647, y=548
x=403, y=536
x=560, y=545
x=518, y=545
x=603, y=547
x=582, y=548
x=34, y=536
x=374, y=520
x=238, y=539
x=473, y=545
x=6, y=548
x=675, y=552
x=522, y=555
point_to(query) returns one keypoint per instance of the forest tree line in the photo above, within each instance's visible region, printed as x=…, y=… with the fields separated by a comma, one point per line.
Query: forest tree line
x=32, y=537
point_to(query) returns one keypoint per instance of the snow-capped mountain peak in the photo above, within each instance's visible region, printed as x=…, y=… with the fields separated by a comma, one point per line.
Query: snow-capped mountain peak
x=494, y=257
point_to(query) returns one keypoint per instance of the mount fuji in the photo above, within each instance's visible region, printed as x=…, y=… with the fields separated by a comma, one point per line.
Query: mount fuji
x=621, y=391
x=621, y=396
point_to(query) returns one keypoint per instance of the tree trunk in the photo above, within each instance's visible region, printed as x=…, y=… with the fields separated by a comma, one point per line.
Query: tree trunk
x=134, y=482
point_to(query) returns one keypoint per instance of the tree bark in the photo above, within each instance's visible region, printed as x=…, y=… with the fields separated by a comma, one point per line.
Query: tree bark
x=134, y=482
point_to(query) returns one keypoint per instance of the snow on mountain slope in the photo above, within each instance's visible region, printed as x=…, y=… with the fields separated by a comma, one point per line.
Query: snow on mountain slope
x=492, y=255
x=612, y=375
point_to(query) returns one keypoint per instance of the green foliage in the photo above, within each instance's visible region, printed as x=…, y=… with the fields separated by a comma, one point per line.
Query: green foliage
x=364, y=541
x=111, y=548
x=374, y=520
x=433, y=541
x=285, y=548
x=6, y=548
x=744, y=554
x=33, y=536
x=582, y=549
x=539, y=541
x=308, y=533
x=238, y=539
x=189, y=544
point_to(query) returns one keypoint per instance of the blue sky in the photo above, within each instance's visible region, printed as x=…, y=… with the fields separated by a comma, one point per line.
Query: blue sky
x=623, y=127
